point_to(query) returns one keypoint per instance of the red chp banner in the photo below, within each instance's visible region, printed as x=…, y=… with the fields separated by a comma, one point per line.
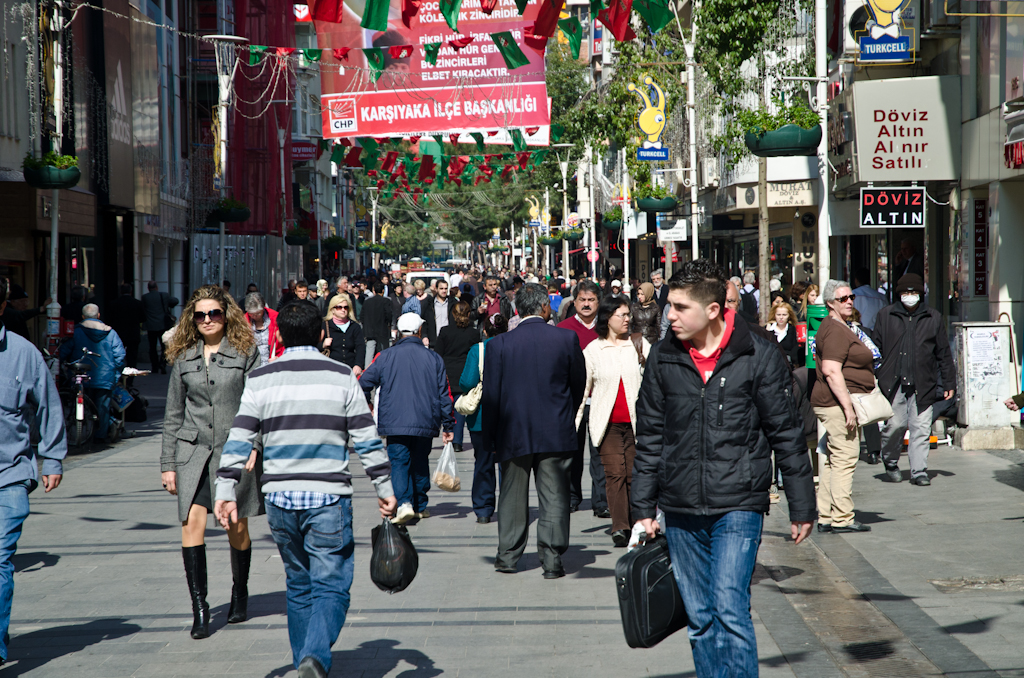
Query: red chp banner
x=467, y=90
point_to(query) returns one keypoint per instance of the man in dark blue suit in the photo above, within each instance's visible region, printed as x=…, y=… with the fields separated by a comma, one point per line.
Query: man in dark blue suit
x=534, y=378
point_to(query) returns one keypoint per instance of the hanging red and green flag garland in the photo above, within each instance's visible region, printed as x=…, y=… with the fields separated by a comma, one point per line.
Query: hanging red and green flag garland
x=375, y=59
x=509, y=50
x=572, y=29
x=430, y=51
x=375, y=15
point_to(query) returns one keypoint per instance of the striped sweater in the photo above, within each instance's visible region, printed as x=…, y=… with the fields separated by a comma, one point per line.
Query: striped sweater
x=308, y=408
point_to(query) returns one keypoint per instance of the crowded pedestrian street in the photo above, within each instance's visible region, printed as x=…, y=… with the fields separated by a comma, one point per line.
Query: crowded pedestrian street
x=936, y=590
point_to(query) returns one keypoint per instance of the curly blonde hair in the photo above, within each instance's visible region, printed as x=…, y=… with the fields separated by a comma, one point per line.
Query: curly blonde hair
x=236, y=329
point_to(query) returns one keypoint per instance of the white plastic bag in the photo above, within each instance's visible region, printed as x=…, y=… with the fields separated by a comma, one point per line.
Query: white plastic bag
x=446, y=477
x=639, y=531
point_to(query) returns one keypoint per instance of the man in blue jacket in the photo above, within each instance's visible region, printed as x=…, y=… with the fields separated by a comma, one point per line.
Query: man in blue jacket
x=534, y=379
x=31, y=426
x=99, y=338
x=414, y=402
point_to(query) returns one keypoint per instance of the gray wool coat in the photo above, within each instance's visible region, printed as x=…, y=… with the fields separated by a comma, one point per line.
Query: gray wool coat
x=201, y=405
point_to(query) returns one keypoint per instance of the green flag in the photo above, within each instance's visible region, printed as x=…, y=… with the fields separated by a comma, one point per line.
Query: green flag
x=375, y=59
x=450, y=9
x=573, y=31
x=510, y=52
x=439, y=138
x=521, y=6
x=556, y=133
x=595, y=7
x=256, y=53
x=368, y=143
x=375, y=15
x=518, y=142
x=655, y=12
x=312, y=54
x=430, y=52
x=338, y=154
x=479, y=138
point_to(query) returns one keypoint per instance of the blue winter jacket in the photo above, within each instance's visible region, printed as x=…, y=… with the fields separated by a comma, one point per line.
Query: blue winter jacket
x=98, y=338
x=414, y=397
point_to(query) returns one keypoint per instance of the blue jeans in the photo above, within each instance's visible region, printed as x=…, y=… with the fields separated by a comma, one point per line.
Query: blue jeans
x=713, y=560
x=483, y=477
x=460, y=428
x=316, y=548
x=13, y=511
x=101, y=399
x=410, y=469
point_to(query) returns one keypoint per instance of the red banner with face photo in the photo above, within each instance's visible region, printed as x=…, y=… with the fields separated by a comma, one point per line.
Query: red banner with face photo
x=468, y=90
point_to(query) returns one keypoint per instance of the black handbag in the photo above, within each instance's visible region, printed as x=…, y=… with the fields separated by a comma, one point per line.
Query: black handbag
x=649, y=599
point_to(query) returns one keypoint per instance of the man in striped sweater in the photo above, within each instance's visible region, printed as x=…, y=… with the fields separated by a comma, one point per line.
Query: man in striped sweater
x=308, y=408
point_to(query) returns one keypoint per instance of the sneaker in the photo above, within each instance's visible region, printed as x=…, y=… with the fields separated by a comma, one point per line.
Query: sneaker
x=894, y=474
x=404, y=514
x=425, y=513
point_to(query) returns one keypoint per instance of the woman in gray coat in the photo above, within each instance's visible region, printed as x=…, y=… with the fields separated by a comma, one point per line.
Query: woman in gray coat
x=213, y=351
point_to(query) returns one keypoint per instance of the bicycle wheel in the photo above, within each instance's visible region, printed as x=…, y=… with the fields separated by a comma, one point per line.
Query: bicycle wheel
x=89, y=421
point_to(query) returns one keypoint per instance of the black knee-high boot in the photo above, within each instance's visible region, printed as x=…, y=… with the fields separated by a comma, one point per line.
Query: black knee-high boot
x=195, y=572
x=239, y=609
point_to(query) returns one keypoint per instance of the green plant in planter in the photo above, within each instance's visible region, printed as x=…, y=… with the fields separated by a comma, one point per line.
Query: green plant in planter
x=572, y=234
x=335, y=243
x=614, y=214
x=297, y=236
x=793, y=130
x=762, y=120
x=643, y=191
x=51, y=171
x=363, y=246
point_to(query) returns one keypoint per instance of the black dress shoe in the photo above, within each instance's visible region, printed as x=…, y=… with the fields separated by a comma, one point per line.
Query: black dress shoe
x=824, y=527
x=920, y=481
x=602, y=513
x=620, y=538
x=309, y=667
x=504, y=569
x=554, y=574
x=483, y=520
x=874, y=458
x=852, y=527
x=574, y=509
x=894, y=474
x=457, y=447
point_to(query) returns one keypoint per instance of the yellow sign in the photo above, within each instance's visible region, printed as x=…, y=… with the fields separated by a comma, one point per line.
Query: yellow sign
x=651, y=120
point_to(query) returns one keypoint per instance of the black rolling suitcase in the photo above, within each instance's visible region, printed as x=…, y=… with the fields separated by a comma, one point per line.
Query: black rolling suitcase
x=649, y=599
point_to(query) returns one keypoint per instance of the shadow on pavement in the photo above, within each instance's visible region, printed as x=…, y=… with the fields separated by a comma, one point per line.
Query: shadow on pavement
x=450, y=510
x=36, y=648
x=872, y=517
x=260, y=605
x=774, y=662
x=976, y=626
x=869, y=651
x=375, y=659
x=1013, y=476
x=33, y=562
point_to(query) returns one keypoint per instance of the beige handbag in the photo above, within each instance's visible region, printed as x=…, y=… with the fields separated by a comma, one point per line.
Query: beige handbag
x=469, y=402
x=872, y=407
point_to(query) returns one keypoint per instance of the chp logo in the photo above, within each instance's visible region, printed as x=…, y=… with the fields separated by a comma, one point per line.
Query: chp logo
x=341, y=117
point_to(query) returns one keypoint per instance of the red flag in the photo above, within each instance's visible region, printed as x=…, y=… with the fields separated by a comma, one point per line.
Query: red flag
x=616, y=18
x=493, y=134
x=380, y=184
x=530, y=131
x=505, y=173
x=415, y=139
x=284, y=51
x=345, y=141
x=371, y=173
x=453, y=138
x=491, y=157
x=523, y=158
x=341, y=53
x=410, y=8
x=400, y=51
x=389, y=162
x=480, y=178
x=488, y=6
x=427, y=170
x=352, y=157
x=327, y=10
x=459, y=43
x=536, y=36
x=486, y=169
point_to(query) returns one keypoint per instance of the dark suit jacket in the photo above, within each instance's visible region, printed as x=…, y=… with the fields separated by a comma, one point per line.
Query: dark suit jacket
x=661, y=296
x=534, y=381
x=430, y=322
x=378, y=317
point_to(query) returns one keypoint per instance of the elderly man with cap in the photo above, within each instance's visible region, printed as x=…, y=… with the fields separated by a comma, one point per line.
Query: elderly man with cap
x=414, y=403
x=914, y=346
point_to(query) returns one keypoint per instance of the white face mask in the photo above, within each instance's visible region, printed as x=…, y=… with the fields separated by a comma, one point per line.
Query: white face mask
x=910, y=300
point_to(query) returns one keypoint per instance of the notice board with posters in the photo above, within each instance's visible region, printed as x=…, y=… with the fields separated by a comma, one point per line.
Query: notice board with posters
x=466, y=90
x=986, y=374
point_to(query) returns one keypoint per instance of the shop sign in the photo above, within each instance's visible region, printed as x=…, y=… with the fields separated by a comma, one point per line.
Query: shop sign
x=650, y=120
x=303, y=151
x=981, y=248
x=889, y=37
x=892, y=207
x=673, y=232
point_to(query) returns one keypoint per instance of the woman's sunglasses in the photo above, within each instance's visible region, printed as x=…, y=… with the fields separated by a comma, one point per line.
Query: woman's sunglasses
x=846, y=297
x=216, y=316
x=341, y=306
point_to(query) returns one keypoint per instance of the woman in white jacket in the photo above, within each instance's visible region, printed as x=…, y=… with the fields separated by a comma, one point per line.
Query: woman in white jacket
x=615, y=363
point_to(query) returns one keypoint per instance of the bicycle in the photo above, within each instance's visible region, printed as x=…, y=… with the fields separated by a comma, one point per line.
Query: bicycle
x=80, y=413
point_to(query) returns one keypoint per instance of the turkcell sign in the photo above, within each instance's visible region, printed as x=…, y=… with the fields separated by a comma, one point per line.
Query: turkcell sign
x=885, y=49
x=652, y=154
x=892, y=207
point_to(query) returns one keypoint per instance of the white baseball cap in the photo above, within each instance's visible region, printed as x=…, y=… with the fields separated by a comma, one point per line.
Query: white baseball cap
x=616, y=283
x=409, y=323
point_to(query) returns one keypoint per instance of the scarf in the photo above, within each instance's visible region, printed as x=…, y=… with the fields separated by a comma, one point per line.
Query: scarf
x=779, y=334
x=876, y=355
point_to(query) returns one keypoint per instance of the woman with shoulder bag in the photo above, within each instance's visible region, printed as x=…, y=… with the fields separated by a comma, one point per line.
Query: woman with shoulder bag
x=454, y=342
x=646, y=315
x=343, y=338
x=615, y=363
x=212, y=352
x=484, y=481
x=845, y=372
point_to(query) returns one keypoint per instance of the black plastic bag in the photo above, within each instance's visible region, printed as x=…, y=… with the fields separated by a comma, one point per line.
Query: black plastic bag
x=136, y=410
x=394, y=561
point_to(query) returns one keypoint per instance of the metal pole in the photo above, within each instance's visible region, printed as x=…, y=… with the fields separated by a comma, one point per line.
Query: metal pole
x=627, y=215
x=565, y=218
x=591, y=211
x=820, y=71
x=53, y=308
x=546, y=229
x=691, y=115
x=316, y=216
x=284, y=210
x=373, y=235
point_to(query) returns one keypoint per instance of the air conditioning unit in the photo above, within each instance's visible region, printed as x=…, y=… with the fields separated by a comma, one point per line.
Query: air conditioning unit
x=710, y=175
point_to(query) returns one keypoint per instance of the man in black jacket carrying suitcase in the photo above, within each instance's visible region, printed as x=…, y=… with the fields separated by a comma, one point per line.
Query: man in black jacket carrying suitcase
x=715, y=402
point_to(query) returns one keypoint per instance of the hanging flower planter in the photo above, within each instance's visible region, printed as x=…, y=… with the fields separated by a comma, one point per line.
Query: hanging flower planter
x=50, y=177
x=363, y=246
x=549, y=240
x=656, y=204
x=612, y=224
x=787, y=140
x=378, y=248
x=574, y=235
x=498, y=249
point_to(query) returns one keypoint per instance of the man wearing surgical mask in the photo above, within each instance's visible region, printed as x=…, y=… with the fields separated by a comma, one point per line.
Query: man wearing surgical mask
x=914, y=346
